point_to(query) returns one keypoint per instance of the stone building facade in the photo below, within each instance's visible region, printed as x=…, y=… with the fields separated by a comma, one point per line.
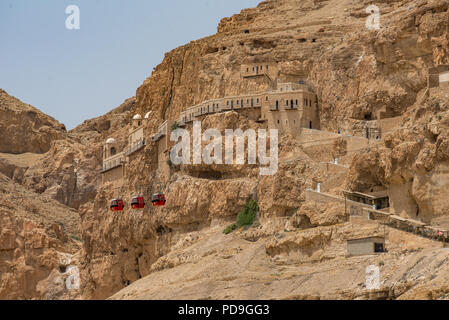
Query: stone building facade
x=114, y=162
x=288, y=108
x=365, y=246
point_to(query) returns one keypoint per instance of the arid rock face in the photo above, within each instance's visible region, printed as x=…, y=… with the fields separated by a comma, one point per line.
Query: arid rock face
x=297, y=248
x=38, y=241
x=357, y=73
x=24, y=128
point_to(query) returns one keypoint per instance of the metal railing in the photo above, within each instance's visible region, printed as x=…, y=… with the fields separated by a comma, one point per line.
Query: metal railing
x=135, y=147
x=113, y=162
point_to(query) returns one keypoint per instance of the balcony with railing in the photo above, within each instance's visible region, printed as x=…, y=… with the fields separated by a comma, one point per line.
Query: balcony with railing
x=162, y=131
x=135, y=147
x=113, y=162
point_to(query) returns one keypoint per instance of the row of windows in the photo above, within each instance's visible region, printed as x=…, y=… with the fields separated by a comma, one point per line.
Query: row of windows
x=292, y=104
x=308, y=102
x=242, y=103
x=257, y=68
x=286, y=121
x=294, y=122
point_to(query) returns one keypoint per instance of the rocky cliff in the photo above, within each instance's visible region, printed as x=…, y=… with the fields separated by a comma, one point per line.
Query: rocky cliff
x=24, y=128
x=297, y=246
x=357, y=73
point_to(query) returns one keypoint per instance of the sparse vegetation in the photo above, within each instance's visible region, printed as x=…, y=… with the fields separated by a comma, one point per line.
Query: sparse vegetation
x=74, y=237
x=230, y=228
x=246, y=217
x=174, y=126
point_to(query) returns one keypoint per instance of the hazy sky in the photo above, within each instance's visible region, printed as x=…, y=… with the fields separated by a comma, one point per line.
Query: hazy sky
x=74, y=75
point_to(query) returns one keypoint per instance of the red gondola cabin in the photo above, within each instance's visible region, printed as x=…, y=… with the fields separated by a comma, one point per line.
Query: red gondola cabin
x=158, y=199
x=138, y=203
x=117, y=205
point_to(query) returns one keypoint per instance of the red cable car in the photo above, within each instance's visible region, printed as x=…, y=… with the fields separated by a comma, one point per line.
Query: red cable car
x=158, y=199
x=138, y=202
x=117, y=205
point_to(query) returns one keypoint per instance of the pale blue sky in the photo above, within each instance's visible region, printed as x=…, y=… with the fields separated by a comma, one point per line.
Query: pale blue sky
x=74, y=75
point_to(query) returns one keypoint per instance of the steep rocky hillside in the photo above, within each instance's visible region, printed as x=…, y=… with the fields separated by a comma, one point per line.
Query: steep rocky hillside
x=292, y=265
x=297, y=247
x=357, y=73
x=413, y=161
x=24, y=128
x=39, y=240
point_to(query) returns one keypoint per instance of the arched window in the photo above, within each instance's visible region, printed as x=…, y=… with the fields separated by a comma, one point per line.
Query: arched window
x=310, y=125
x=277, y=104
x=113, y=151
x=291, y=104
x=252, y=102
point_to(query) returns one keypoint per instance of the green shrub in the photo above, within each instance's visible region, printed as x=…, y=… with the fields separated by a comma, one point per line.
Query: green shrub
x=248, y=214
x=245, y=217
x=174, y=126
x=230, y=228
x=74, y=237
